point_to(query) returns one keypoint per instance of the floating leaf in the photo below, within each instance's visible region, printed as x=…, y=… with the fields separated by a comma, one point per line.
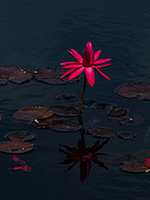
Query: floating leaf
x=44, y=123
x=140, y=90
x=30, y=114
x=1, y=118
x=101, y=131
x=66, y=111
x=126, y=135
x=127, y=159
x=65, y=125
x=14, y=74
x=134, y=167
x=117, y=112
x=15, y=147
x=67, y=97
x=147, y=163
x=52, y=76
x=21, y=136
x=96, y=104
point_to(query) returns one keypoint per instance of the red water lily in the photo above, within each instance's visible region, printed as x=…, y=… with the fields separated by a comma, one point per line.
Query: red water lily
x=88, y=62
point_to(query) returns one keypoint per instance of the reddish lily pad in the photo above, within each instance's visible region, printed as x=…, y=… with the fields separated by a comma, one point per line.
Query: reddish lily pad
x=126, y=135
x=21, y=136
x=15, y=147
x=140, y=90
x=127, y=159
x=14, y=74
x=65, y=125
x=117, y=112
x=66, y=111
x=101, y=132
x=134, y=167
x=67, y=97
x=1, y=118
x=51, y=76
x=96, y=104
x=33, y=113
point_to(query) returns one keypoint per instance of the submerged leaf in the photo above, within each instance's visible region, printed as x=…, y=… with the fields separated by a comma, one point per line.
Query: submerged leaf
x=101, y=131
x=66, y=111
x=15, y=147
x=127, y=159
x=67, y=97
x=126, y=135
x=21, y=136
x=14, y=74
x=140, y=90
x=117, y=112
x=87, y=103
x=134, y=168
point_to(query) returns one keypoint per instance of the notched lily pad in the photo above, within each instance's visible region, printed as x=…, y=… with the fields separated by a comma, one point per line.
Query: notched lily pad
x=126, y=135
x=33, y=113
x=15, y=147
x=66, y=111
x=127, y=159
x=67, y=97
x=134, y=168
x=65, y=125
x=52, y=76
x=14, y=74
x=102, y=132
x=117, y=112
x=140, y=90
x=96, y=104
x=21, y=136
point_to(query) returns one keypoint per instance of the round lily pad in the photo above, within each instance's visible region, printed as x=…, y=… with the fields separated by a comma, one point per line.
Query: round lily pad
x=67, y=97
x=127, y=159
x=134, y=168
x=101, y=132
x=65, y=125
x=117, y=112
x=15, y=147
x=14, y=74
x=30, y=114
x=21, y=136
x=126, y=135
x=66, y=111
x=140, y=90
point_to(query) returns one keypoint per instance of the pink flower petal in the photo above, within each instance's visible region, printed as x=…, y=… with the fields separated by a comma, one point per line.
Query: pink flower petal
x=102, y=61
x=147, y=163
x=16, y=159
x=101, y=73
x=80, y=59
x=68, y=63
x=68, y=72
x=76, y=73
x=97, y=54
x=90, y=75
x=74, y=55
x=101, y=66
x=72, y=66
x=17, y=167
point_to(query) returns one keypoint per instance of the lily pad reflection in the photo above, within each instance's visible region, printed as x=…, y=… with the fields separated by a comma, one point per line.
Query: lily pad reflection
x=21, y=136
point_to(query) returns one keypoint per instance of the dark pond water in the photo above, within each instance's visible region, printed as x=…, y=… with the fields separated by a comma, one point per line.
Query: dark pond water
x=37, y=34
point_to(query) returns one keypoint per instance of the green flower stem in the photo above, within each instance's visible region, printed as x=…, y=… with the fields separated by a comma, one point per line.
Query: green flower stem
x=82, y=95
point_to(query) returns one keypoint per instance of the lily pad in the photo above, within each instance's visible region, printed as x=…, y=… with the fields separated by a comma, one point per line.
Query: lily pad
x=140, y=90
x=101, y=132
x=127, y=159
x=52, y=76
x=1, y=118
x=134, y=167
x=67, y=97
x=66, y=111
x=21, y=136
x=15, y=147
x=117, y=112
x=87, y=103
x=14, y=74
x=33, y=113
x=126, y=135
x=65, y=125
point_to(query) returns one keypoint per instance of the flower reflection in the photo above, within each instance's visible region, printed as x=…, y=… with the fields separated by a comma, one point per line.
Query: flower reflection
x=84, y=155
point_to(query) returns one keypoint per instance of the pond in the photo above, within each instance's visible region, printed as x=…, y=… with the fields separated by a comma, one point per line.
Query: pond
x=37, y=34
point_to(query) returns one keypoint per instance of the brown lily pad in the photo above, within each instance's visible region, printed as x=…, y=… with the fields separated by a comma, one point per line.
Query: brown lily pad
x=67, y=97
x=33, y=113
x=66, y=111
x=101, y=132
x=126, y=135
x=1, y=118
x=117, y=112
x=14, y=74
x=15, y=147
x=52, y=76
x=21, y=136
x=127, y=159
x=134, y=167
x=65, y=125
x=140, y=90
